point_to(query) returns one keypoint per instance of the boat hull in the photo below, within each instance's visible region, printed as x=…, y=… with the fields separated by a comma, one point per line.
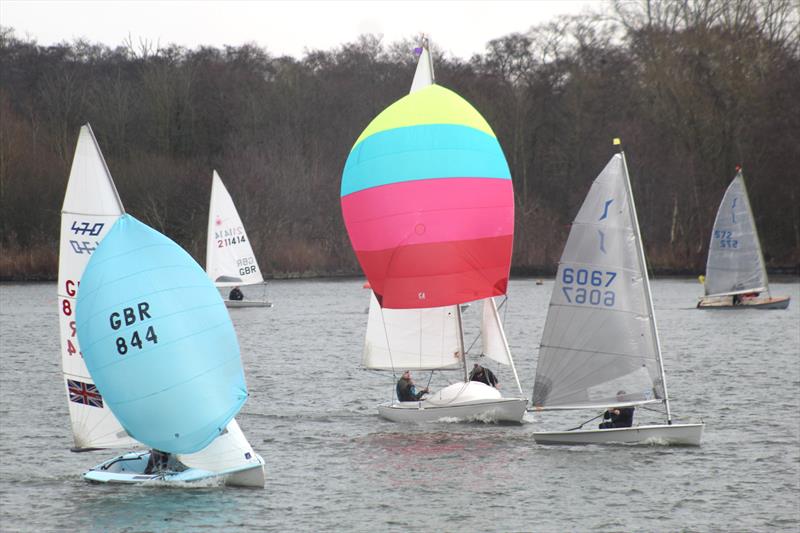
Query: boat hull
x=754, y=303
x=496, y=410
x=247, y=303
x=675, y=434
x=128, y=469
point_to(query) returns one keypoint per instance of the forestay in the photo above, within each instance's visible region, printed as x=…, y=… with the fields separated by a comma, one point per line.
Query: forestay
x=599, y=337
x=411, y=339
x=91, y=206
x=158, y=340
x=229, y=257
x=735, y=263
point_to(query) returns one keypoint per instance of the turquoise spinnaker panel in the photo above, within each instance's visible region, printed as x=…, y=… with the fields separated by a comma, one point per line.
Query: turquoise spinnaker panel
x=158, y=341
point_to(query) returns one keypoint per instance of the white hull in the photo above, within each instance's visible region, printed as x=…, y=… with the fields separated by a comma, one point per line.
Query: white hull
x=129, y=469
x=470, y=401
x=502, y=410
x=750, y=303
x=247, y=303
x=679, y=434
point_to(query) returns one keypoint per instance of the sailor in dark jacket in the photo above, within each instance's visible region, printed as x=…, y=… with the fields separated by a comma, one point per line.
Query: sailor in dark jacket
x=618, y=417
x=407, y=391
x=484, y=375
x=236, y=294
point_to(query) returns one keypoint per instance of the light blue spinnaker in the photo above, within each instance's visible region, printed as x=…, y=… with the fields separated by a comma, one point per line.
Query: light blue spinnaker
x=158, y=341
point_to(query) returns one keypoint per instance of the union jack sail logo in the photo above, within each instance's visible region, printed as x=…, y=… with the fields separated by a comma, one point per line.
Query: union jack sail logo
x=85, y=393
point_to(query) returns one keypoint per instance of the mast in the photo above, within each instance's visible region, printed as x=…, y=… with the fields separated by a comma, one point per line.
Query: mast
x=461, y=343
x=755, y=230
x=646, y=284
x=426, y=46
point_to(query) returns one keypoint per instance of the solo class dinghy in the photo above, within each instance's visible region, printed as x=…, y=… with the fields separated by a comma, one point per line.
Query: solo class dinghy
x=600, y=347
x=428, y=204
x=230, y=261
x=735, y=272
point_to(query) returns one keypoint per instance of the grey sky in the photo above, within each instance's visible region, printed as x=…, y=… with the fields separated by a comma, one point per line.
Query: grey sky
x=461, y=28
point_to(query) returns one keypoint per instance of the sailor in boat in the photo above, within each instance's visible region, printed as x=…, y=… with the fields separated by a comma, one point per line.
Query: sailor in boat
x=741, y=299
x=236, y=294
x=484, y=375
x=407, y=391
x=157, y=462
x=619, y=417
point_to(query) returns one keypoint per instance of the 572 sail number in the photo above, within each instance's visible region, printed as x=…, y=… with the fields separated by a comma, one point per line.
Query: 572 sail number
x=724, y=238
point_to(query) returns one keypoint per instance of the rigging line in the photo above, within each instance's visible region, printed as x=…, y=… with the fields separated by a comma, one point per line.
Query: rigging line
x=388, y=347
x=477, y=338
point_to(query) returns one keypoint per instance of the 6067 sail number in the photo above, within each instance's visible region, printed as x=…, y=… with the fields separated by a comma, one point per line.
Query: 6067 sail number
x=584, y=286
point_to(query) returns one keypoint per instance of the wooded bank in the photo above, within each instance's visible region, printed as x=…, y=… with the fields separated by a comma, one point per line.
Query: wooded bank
x=692, y=88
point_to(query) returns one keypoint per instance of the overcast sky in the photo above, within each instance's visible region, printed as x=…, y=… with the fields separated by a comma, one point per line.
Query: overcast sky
x=461, y=28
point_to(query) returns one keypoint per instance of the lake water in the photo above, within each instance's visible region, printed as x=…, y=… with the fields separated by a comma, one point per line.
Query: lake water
x=333, y=465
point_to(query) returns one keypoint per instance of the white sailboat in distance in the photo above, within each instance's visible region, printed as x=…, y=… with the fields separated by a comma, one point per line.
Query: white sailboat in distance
x=230, y=261
x=735, y=273
x=600, y=347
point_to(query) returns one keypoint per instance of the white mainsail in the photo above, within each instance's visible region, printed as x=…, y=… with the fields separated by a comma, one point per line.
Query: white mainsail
x=735, y=264
x=91, y=206
x=412, y=339
x=423, y=76
x=229, y=257
x=600, y=336
x=227, y=452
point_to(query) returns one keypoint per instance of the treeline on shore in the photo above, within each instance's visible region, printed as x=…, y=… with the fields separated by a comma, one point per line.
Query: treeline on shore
x=692, y=88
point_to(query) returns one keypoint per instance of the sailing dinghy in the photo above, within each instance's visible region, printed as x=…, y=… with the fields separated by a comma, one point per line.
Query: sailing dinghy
x=230, y=261
x=429, y=207
x=735, y=271
x=600, y=347
x=160, y=345
x=91, y=207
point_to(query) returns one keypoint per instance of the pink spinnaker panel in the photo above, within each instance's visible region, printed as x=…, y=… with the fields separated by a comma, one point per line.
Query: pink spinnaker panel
x=430, y=243
x=429, y=211
x=439, y=274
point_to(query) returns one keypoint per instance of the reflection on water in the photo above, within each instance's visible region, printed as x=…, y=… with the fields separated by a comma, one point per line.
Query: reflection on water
x=458, y=459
